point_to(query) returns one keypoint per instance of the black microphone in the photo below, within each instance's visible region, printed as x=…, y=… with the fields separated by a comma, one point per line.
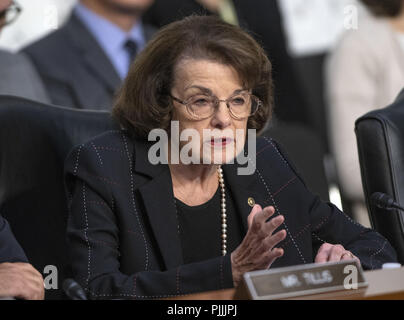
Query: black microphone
x=384, y=201
x=73, y=290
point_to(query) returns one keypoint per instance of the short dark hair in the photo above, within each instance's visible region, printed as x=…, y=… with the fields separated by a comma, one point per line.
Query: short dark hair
x=384, y=8
x=143, y=102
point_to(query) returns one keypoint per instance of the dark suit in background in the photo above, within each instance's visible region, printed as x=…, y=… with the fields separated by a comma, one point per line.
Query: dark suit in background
x=263, y=19
x=10, y=250
x=75, y=70
x=19, y=77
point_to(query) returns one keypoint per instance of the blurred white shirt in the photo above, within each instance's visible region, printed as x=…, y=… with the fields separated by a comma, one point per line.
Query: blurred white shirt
x=313, y=26
x=37, y=18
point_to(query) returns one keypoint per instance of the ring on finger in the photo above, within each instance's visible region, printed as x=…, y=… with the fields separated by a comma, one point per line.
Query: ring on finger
x=349, y=254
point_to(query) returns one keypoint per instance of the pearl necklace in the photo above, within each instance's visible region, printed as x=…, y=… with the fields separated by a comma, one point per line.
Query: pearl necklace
x=223, y=210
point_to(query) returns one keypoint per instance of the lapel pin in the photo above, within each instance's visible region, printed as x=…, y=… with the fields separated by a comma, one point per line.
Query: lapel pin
x=251, y=202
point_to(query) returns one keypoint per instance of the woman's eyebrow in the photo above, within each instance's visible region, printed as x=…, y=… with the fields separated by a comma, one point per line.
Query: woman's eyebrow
x=208, y=91
x=203, y=89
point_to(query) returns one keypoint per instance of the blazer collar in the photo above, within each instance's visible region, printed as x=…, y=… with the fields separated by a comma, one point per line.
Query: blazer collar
x=158, y=197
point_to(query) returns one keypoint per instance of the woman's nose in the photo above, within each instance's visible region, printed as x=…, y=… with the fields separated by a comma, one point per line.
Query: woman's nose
x=222, y=118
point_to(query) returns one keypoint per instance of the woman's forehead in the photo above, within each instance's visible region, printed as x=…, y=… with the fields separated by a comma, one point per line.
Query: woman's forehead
x=204, y=74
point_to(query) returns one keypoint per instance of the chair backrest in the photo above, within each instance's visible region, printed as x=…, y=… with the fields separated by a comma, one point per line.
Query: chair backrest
x=34, y=141
x=306, y=151
x=380, y=137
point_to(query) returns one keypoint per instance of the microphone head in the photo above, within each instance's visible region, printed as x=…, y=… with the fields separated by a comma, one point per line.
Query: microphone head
x=382, y=200
x=68, y=284
x=73, y=290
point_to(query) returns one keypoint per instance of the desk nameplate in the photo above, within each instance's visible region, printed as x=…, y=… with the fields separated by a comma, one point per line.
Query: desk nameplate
x=302, y=280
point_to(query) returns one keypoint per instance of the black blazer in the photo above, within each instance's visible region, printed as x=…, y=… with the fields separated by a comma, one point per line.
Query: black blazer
x=122, y=229
x=74, y=68
x=10, y=250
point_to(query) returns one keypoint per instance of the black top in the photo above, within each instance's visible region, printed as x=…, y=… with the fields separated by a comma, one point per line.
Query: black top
x=200, y=228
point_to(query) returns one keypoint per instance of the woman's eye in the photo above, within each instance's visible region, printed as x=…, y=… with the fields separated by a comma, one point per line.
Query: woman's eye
x=238, y=101
x=201, y=102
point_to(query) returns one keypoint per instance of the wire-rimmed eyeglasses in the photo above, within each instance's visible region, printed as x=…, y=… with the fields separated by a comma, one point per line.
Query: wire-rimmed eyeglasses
x=202, y=106
x=10, y=14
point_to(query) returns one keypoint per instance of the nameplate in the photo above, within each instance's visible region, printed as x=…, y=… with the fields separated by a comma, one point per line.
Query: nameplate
x=304, y=280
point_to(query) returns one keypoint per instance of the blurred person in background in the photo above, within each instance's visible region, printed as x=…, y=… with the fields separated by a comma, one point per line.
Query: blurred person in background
x=83, y=63
x=18, y=279
x=18, y=76
x=263, y=20
x=365, y=72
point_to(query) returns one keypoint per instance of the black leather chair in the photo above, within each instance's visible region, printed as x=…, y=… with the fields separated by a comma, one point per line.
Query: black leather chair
x=34, y=141
x=380, y=137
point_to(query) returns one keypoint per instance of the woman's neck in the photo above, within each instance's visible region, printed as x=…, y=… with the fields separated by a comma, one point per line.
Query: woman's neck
x=194, y=184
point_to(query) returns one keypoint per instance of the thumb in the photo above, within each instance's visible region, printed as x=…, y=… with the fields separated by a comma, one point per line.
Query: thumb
x=257, y=208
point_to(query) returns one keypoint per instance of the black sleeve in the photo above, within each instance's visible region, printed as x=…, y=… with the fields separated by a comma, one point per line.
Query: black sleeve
x=329, y=224
x=10, y=250
x=93, y=238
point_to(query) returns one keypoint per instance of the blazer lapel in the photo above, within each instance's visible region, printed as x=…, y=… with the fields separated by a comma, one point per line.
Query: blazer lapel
x=158, y=198
x=245, y=191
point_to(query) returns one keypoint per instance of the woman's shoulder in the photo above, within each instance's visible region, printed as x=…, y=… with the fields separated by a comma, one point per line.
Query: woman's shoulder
x=103, y=151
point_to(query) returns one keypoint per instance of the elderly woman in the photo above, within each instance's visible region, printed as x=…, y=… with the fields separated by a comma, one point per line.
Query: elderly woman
x=142, y=230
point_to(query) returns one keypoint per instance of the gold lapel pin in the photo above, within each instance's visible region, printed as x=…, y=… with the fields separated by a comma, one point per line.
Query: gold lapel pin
x=251, y=202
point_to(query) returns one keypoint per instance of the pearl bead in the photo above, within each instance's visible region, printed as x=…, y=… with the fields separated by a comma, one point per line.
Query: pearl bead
x=223, y=209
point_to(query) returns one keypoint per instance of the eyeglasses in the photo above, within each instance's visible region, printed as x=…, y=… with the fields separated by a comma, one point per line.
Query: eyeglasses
x=202, y=106
x=10, y=14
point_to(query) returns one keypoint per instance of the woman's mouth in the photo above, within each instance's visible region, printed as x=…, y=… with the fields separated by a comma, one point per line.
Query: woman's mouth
x=220, y=142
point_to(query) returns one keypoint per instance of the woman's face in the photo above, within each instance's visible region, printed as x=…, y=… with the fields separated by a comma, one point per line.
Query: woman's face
x=203, y=78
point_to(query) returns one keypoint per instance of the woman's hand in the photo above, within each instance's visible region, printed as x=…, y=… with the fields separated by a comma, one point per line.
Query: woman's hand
x=333, y=253
x=256, y=251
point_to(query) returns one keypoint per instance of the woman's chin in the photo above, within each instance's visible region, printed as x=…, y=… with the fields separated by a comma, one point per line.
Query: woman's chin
x=219, y=155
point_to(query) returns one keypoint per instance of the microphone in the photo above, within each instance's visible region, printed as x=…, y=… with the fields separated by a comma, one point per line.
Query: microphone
x=384, y=201
x=73, y=290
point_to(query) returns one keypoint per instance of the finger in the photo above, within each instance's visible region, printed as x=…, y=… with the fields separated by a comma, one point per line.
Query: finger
x=271, y=257
x=268, y=244
x=257, y=208
x=346, y=257
x=258, y=222
x=336, y=253
x=274, y=240
x=273, y=224
x=323, y=253
x=265, y=214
